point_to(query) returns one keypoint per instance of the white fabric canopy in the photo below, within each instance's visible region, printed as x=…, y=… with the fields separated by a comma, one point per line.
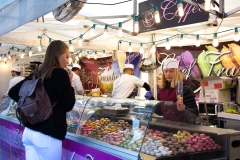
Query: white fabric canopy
x=15, y=13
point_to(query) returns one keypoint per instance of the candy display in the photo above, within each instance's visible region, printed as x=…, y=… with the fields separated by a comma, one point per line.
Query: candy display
x=201, y=142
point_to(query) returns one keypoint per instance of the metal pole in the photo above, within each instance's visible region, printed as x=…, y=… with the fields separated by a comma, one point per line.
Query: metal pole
x=134, y=12
x=222, y=8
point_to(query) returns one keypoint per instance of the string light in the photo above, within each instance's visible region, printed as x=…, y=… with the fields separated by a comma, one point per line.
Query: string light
x=103, y=52
x=77, y=57
x=180, y=8
x=49, y=40
x=180, y=40
x=236, y=35
x=71, y=46
x=153, y=49
x=130, y=47
x=207, y=5
x=136, y=24
x=40, y=47
x=30, y=52
x=197, y=40
x=92, y=31
x=156, y=14
x=5, y=59
x=88, y=56
x=105, y=33
x=141, y=49
x=168, y=46
x=95, y=57
x=9, y=55
x=80, y=41
x=120, y=34
x=215, y=40
x=22, y=55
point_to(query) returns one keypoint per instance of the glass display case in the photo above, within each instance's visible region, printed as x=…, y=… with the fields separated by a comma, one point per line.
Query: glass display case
x=127, y=124
x=119, y=122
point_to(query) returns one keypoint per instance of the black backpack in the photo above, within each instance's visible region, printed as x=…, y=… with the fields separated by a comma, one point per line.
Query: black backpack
x=34, y=105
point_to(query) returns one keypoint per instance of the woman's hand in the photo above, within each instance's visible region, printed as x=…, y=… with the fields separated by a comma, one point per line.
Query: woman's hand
x=180, y=105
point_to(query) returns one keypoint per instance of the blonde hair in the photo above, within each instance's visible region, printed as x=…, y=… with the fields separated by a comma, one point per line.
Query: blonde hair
x=54, y=50
x=177, y=76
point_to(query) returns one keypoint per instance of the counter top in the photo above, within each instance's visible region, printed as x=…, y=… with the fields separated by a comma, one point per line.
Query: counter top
x=229, y=115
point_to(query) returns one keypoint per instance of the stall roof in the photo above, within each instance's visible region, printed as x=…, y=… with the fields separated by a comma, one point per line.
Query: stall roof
x=27, y=34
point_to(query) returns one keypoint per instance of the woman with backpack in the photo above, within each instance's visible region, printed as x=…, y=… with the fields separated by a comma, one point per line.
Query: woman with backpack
x=44, y=140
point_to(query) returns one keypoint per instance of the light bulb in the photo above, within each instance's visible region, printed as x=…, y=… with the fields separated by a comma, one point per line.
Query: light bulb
x=39, y=48
x=207, y=5
x=141, y=50
x=198, y=43
x=103, y=52
x=88, y=56
x=157, y=17
x=71, y=48
x=105, y=33
x=130, y=49
x=168, y=46
x=153, y=49
x=215, y=42
x=80, y=41
x=95, y=57
x=180, y=9
x=236, y=36
x=80, y=55
x=92, y=31
x=77, y=58
x=30, y=53
x=120, y=34
x=156, y=14
x=136, y=26
x=180, y=42
x=22, y=55
x=5, y=59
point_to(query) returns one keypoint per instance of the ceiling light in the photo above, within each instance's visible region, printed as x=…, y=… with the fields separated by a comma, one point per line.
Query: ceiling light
x=156, y=14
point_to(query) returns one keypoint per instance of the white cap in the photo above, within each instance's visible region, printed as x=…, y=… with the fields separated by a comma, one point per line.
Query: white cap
x=170, y=63
x=16, y=68
x=76, y=65
x=129, y=66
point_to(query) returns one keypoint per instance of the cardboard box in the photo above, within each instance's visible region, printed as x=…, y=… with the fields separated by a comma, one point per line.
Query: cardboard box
x=216, y=95
x=218, y=83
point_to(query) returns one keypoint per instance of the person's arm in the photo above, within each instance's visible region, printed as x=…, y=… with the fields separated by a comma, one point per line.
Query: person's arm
x=140, y=83
x=189, y=99
x=13, y=92
x=79, y=86
x=65, y=91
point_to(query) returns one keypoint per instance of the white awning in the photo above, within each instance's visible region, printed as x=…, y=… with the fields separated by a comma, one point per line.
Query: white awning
x=15, y=13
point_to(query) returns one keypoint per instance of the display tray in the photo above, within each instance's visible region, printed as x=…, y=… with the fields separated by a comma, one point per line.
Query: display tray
x=196, y=156
x=115, y=112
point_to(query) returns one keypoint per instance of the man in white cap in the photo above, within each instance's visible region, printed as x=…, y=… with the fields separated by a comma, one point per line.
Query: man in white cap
x=124, y=85
x=77, y=84
x=16, y=71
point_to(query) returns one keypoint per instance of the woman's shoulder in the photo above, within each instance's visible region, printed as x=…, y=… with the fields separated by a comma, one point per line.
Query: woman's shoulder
x=59, y=71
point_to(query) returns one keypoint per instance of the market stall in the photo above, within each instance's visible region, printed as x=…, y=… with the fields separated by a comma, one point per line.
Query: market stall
x=129, y=132
x=101, y=42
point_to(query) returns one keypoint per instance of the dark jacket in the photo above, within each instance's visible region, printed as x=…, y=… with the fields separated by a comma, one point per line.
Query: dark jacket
x=188, y=100
x=58, y=88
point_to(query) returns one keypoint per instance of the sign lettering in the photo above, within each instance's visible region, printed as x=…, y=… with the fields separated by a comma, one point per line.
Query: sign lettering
x=169, y=14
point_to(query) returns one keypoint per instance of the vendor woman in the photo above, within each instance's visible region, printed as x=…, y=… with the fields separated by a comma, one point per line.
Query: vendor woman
x=167, y=92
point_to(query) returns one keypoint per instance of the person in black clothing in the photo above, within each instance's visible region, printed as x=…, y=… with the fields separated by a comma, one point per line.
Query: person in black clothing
x=44, y=140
